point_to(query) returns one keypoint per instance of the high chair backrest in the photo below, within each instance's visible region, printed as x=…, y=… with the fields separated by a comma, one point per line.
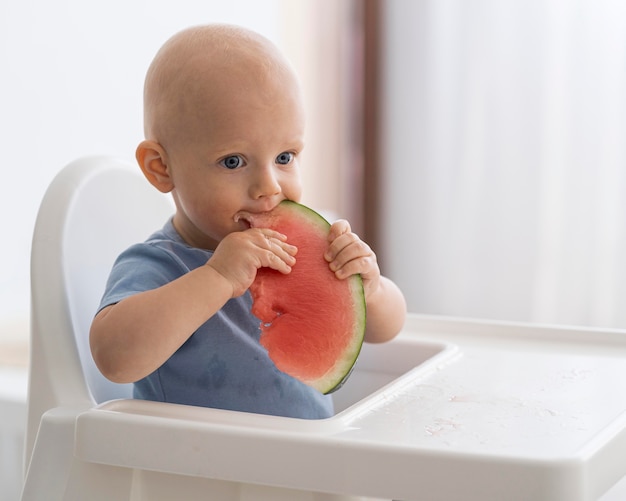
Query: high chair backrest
x=93, y=209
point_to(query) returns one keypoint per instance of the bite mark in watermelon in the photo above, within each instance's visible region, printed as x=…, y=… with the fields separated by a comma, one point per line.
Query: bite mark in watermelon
x=312, y=323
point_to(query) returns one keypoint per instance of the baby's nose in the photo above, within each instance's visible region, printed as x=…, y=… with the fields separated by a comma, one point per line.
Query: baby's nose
x=264, y=183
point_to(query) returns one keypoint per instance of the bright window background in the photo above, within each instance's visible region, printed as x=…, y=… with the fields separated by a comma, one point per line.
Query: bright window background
x=504, y=160
x=72, y=78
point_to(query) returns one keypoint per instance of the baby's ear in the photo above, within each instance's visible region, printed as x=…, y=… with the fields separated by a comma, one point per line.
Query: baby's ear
x=152, y=159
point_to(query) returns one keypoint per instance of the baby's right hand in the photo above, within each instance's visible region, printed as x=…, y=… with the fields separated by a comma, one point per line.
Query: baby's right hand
x=240, y=254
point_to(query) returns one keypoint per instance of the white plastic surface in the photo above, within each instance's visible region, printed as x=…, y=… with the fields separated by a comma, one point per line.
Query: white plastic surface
x=504, y=412
x=93, y=209
x=450, y=410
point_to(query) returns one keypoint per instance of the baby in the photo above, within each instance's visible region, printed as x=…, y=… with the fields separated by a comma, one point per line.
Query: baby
x=224, y=128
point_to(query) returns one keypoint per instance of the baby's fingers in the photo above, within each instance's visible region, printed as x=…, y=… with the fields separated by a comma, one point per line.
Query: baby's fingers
x=343, y=242
x=355, y=257
x=269, y=235
x=276, y=253
x=360, y=266
x=338, y=228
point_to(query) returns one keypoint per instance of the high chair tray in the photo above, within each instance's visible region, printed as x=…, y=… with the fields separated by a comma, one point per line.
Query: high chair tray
x=450, y=410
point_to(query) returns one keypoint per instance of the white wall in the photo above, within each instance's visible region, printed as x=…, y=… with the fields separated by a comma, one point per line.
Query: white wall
x=504, y=158
x=71, y=85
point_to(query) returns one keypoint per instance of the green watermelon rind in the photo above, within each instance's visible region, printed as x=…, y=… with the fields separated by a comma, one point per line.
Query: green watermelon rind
x=331, y=382
x=356, y=285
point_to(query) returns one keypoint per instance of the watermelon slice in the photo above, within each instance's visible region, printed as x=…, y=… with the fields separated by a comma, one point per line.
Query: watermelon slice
x=312, y=323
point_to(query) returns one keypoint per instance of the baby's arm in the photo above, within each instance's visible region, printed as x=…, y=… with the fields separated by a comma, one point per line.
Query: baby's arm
x=347, y=254
x=132, y=338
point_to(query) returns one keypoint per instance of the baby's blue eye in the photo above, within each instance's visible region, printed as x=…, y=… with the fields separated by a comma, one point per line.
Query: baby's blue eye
x=232, y=162
x=284, y=158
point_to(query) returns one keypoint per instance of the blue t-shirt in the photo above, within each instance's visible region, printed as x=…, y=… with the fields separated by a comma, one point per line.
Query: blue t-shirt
x=222, y=365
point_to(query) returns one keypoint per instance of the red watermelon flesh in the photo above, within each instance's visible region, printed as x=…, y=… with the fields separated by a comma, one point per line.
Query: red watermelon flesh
x=312, y=323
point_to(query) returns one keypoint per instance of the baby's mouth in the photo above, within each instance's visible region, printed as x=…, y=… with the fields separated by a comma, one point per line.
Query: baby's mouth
x=245, y=219
x=249, y=219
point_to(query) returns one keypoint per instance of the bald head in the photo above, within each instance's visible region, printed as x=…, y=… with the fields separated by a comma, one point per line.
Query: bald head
x=201, y=67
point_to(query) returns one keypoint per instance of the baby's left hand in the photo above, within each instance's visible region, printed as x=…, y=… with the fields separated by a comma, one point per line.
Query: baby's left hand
x=347, y=255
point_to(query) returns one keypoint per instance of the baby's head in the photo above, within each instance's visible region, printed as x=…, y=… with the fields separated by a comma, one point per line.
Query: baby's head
x=221, y=103
x=200, y=68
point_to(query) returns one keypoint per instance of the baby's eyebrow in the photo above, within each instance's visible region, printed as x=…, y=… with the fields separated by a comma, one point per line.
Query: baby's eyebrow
x=296, y=144
x=235, y=148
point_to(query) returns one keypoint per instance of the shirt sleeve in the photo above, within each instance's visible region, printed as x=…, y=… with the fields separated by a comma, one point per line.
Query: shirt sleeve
x=140, y=268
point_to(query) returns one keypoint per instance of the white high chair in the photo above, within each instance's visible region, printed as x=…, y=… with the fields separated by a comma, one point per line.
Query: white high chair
x=94, y=209
x=450, y=410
